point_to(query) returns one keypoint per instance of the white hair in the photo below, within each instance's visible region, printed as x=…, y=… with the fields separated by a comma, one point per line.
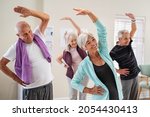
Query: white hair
x=121, y=32
x=20, y=25
x=82, y=39
x=67, y=38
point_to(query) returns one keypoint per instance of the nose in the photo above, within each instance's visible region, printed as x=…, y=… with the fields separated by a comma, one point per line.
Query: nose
x=93, y=43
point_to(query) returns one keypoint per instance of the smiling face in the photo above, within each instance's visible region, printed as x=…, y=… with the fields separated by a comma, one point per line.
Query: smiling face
x=91, y=44
x=72, y=41
x=124, y=38
x=24, y=32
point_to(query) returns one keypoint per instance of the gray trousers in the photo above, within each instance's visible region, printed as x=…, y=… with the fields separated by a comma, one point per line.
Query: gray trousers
x=130, y=89
x=39, y=93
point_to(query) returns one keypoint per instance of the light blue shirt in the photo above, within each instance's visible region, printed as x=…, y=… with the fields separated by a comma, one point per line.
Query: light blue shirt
x=86, y=68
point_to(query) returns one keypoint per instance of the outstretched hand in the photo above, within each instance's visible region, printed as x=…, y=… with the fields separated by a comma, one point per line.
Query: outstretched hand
x=81, y=11
x=130, y=15
x=23, y=11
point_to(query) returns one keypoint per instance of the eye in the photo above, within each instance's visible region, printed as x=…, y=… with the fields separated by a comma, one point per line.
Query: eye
x=88, y=43
x=25, y=34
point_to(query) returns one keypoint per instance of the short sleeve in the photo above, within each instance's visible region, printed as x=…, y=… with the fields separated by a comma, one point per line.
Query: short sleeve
x=11, y=53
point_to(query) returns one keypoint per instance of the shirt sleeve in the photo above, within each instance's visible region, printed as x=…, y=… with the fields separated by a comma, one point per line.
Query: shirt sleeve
x=102, y=42
x=44, y=38
x=11, y=53
x=112, y=55
x=78, y=78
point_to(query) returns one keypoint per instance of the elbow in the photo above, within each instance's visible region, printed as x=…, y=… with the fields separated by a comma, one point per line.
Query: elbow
x=59, y=60
x=1, y=65
x=46, y=18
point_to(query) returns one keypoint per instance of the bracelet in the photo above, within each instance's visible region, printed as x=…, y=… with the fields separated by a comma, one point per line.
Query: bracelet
x=133, y=20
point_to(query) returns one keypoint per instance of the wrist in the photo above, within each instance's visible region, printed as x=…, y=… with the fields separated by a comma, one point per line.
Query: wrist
x=133, y=20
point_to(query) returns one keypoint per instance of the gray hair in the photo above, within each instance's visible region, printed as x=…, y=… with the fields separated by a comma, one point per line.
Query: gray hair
x=20, y=25
x=121, y=32
x=67, y=38
x=82, y=39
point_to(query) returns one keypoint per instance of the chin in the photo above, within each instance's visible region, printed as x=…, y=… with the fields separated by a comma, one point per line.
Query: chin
x=127, y=44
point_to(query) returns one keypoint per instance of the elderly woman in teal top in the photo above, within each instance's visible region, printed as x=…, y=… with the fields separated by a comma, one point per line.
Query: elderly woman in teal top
x=98, y=65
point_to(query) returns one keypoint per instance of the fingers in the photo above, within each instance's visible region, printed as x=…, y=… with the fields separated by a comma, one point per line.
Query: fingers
x=65, y=18
x=125, y=72
x=98, y=90
x=80, y=11
x=17, y=9
x=130, y=15
x=22, y=16
x=77, y=9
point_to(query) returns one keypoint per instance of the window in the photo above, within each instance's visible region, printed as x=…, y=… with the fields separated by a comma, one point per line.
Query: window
x=122, y=22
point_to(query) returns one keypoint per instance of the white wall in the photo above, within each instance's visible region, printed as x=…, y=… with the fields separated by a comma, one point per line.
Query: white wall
x=104, y=9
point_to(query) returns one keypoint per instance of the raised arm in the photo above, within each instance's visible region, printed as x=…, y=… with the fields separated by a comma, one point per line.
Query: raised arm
x=133, y=24
x=73, y=23
x=100, y=28
x=86, y=12
x=25, y=12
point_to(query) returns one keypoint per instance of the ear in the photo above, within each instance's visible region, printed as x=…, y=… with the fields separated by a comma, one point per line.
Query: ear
x=17, y=35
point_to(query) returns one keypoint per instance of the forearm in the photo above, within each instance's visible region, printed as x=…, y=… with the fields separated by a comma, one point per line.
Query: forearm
x=59, y=59
x=41, y=15
x=76, y=26
x=11, y=74
x=92, y=16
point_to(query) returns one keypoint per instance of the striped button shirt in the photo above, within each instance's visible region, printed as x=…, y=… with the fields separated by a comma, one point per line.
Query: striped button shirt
x=125, y=57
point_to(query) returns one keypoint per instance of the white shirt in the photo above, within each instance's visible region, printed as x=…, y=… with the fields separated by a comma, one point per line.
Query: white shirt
x=41, y=68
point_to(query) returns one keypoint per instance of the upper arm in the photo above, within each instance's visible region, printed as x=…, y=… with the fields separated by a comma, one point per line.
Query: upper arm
x=43, y=26
x=132, y=33
x=133, y=29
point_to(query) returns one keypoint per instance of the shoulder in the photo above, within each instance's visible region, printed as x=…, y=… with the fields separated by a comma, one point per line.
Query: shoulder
x=115, y=48
x=38, y=33
x=84, y=62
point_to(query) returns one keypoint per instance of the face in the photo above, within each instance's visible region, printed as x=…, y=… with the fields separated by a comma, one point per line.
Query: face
x=125, y=40
x=91, y=44
x=72, y=42
x=26, y=34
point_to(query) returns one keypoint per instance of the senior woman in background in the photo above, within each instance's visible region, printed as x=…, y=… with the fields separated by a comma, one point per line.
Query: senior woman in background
x=98, y=65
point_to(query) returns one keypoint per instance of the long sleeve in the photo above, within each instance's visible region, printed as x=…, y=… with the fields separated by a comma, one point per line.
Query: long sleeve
x=78, y=78
x=101, y=37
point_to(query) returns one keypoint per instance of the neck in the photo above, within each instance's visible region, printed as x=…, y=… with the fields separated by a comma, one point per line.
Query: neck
x=93, y=54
